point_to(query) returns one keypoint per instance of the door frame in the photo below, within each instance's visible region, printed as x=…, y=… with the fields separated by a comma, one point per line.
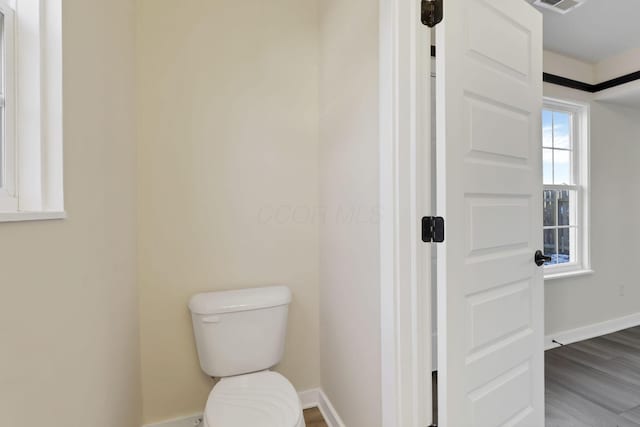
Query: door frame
x=405, y=262
x=405, y=193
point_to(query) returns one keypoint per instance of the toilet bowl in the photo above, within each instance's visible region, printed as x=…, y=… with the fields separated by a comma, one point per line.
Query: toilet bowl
x=239, y=336
x=264, y=399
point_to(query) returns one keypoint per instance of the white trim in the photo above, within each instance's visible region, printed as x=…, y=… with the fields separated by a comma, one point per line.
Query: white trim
x=52, y=115
x=405, y=186
x=328, y=412
x=194, y=420
x=568, y=274
x=591, y=331
x=8, y=197
x=38, y=132
x=308, y=398
x=315, y=398
x=8, y=201
x=29, y=111
x=582, y=185
x=31, y=216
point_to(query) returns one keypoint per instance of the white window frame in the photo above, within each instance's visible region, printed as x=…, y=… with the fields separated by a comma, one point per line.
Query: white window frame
x=34, y=189
x=8, y=193
x=581, y=185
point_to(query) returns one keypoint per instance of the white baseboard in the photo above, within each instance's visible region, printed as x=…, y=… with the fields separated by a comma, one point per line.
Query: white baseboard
x=591, y=331
x=308, y=398
x=329, y=413
x=189, y=421
x=316, y=398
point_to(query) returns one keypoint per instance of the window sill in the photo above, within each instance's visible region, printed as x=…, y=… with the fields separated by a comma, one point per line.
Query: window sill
x=568, y=274
x=31, y=216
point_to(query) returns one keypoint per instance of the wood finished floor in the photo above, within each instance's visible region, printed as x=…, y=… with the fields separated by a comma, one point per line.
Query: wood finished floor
x=313, y=418
x=595, y=383
x=592, y=383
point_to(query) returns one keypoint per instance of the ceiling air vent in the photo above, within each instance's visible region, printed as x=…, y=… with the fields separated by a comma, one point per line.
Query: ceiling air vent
x=560, y=6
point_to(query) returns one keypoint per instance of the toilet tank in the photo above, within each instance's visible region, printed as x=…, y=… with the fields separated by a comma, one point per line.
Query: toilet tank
x=240, y=331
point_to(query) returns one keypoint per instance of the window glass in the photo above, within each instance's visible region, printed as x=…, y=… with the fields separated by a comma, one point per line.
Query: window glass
x=547, y=129
x=550, y=245
x=562, y=130
x=563, y=207
x=560, y=195
x=564, y=245
x=562, y=167
x=547, y=166
x=549, y=203
x=559, y=220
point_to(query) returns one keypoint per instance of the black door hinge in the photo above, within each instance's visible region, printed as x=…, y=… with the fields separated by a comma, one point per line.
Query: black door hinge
x=432, y=12
x=433, y=229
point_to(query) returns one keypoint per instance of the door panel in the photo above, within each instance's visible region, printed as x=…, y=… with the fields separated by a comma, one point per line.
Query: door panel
x=490, y=292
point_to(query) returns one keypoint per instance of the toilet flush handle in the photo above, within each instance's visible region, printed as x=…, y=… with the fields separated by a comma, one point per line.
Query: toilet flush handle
x=211, y=319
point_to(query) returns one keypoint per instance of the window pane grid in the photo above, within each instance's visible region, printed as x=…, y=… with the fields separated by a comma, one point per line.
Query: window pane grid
x=559, y=244
x=560, y=228
x=558, y=147
x=560, y=198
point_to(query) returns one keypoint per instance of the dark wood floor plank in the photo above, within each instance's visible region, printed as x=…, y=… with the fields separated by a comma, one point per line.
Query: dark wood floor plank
x=595, y=348
x=622, y=368
x=630, y=334
x=558, y=416
x=633, y=415
x=617, y=348
x=633, y=331
x=592, y=383
x=623, y=337
x=313, y=418
x=574, y=353
x=567, y=409
x=614, y=394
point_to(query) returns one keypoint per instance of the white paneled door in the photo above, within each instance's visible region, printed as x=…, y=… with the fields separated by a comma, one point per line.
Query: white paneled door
x=490, y=291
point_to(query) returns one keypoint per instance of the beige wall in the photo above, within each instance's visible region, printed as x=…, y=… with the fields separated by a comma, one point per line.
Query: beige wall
x=618, y=65
x=585, y=300
x=609, y=68
x=615, y=133
x=68, y=304
x=228, y=142
x=568, y=67
x=350, y=279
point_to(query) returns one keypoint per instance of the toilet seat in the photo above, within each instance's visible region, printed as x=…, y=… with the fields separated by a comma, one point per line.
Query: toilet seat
x=264, y=399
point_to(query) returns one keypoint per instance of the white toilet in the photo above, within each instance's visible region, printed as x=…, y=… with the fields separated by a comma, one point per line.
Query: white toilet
x=240, y=335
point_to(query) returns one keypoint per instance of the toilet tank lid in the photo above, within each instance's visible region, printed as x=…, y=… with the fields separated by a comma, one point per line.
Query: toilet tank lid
x=239, y=300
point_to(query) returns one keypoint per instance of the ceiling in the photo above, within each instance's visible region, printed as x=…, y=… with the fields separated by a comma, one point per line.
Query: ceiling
x=594, y=31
